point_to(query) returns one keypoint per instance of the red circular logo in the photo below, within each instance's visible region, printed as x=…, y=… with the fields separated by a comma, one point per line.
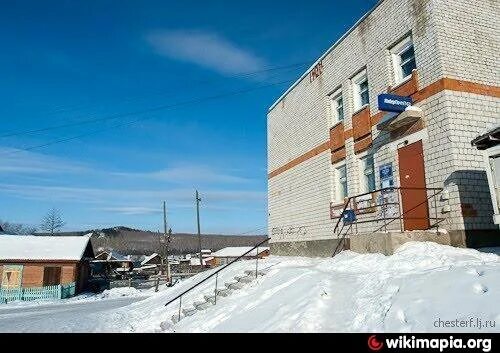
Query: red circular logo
x=374, y=344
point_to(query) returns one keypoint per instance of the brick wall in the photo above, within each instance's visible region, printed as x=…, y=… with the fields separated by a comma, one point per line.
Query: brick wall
x=299, y=195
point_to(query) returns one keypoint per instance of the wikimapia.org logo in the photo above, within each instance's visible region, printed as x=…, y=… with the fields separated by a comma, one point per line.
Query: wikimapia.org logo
x=440, y=344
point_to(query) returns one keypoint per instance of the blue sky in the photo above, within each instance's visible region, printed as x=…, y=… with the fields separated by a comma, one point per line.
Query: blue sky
x=65, y=62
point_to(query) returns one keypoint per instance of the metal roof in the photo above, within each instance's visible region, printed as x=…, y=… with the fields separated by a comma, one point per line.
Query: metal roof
x=488, y=140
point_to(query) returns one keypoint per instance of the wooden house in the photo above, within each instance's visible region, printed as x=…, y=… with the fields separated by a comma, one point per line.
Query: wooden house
x=226, y=255
x=31, y=262
x=111, y=264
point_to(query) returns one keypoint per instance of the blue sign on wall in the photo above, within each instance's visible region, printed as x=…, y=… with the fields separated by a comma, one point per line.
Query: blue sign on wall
x=386, y=176
x=393, y=103
x=349, y=216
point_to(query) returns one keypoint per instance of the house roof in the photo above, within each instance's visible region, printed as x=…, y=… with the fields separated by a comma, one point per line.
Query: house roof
x=239, y=251
x=148, y=258
x=195, y=261
x=56, y=248
x=488, y=140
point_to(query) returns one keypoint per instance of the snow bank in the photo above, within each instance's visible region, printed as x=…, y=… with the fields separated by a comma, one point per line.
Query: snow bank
x=411, y=291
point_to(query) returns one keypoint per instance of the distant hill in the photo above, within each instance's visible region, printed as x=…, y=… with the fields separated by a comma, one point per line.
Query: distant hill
x=138, y=242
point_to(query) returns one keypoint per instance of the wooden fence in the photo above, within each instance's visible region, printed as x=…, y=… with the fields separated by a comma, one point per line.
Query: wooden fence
x=29, y=294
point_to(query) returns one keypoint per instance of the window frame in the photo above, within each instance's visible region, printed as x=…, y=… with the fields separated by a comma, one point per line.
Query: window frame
x=364, y=182
x=335, y=97
x=402, y=46
x=357, y=81
x=338, y=184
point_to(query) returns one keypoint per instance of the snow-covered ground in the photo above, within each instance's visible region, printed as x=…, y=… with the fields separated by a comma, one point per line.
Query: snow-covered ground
x=408, y=292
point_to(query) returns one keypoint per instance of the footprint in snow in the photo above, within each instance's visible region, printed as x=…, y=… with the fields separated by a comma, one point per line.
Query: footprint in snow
x=475, y=272
x=401, y=316
x=480, y=289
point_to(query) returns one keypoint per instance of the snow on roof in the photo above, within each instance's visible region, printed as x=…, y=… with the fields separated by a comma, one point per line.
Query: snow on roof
x=117, y=256
x=238, y=251
x=206, y=251
x=196, y=261
x=28, y=247
x=148, y=258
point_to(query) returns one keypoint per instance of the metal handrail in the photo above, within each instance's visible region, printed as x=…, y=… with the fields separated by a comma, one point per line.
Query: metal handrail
x=342, y=239
x=217, y=272
x=375, y=191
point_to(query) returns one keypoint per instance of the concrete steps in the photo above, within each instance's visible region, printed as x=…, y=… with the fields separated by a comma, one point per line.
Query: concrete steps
x=189, y=311
x=252, y=273
x=202, y=305
x=244, y=279
x=224, y=292
x=234, y=285
x=209, y=299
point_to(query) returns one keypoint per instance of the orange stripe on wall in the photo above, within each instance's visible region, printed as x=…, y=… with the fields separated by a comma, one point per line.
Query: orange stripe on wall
x=325, y=146
x=449, y=84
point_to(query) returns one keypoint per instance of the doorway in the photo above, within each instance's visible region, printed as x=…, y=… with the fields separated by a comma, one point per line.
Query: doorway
x=413, y=194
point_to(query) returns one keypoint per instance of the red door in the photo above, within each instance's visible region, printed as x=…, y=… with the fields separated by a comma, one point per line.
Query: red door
x=412, y=175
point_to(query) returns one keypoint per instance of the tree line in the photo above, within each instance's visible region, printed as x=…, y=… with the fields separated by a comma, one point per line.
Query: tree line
x=52, y=223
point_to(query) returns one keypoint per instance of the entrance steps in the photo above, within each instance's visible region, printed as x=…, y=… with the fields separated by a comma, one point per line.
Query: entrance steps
x=209, y=300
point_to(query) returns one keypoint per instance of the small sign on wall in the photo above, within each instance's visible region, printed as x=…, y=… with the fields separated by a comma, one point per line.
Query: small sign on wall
x=386, y=176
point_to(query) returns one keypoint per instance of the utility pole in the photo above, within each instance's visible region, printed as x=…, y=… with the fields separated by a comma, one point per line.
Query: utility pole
x=166, y=234
x=198, y=199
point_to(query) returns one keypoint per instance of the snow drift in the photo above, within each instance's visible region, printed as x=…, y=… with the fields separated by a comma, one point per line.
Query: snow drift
x=410, y=291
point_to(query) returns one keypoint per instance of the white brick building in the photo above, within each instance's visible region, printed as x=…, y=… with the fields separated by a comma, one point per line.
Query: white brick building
x=326, y=142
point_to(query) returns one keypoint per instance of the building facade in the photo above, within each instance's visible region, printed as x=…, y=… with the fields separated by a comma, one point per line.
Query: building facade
x=328, y=141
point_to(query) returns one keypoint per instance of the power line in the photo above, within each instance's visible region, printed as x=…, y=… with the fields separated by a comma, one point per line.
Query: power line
x=117, y=116
x=159, y=108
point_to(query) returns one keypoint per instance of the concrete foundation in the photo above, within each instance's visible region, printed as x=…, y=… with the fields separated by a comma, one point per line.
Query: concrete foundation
x=388, y=243
x=313, y=248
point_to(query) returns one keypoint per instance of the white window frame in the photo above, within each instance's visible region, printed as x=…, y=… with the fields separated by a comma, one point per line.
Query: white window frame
x=396, y=52
x=338, y=185
x=334, y=104
x=356, y=83
x=363, y=178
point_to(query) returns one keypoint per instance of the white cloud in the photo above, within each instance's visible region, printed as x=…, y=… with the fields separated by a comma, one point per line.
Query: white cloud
x=205, y=49
x=16, y=162
x=127, y=196
x=132, y=211
x=188, y=174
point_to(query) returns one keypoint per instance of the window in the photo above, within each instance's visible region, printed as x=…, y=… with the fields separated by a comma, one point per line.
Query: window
x=403, y=56
x=361, y=93
x=367, y=174
x=51, y=276
x=11, y=276
x=341, y=189
x=337, y=106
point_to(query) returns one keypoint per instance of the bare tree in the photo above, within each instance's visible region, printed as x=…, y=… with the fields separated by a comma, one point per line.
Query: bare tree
x=52, y=222
x=17, y=228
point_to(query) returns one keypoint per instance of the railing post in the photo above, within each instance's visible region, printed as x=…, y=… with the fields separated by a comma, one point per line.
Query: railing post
x=216, y=279
x=180, y=306
x=257, y=264
x=400, y=216
x=356, y=216
x=384, y=207
x=436, y=212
